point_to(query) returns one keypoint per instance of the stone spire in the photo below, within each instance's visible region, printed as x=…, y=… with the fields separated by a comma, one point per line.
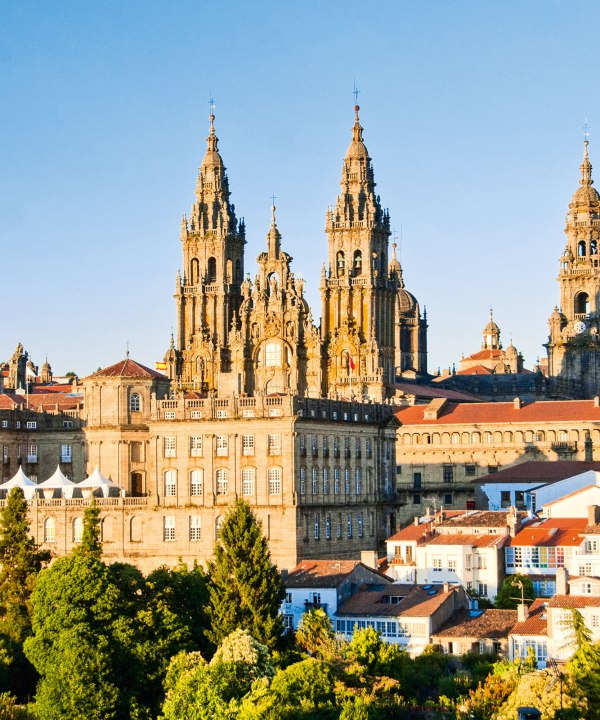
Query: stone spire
x=212, y=210
x=273, y=237
x=357, y=201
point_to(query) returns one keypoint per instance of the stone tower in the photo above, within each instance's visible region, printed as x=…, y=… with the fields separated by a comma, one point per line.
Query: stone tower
x=208, y=294
x=574, y=344
x=363, y=297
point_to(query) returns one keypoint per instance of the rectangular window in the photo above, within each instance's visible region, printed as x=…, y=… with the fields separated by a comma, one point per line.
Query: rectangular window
x=302, y=481
x=222, y=482
x=417, y=480
x=452, y=564
x=349, y=524
x=339, y=527
x=274, y=478
x=360, y=525
x=595, y=621
x=469, y=470
x=31, y=424
x=169, y=528
x=170, y=483
x=317, y=526
x=196, y=478
x=170, y=415
x=368, y=448
x=196, y=414
x=325, y=481
x=314, y=446
x=448, y=500
x=358, y=481
x=275, y=444
x=248, y=478
x=222, y=414
x=328, y=526
x=492, y=469
x=437, y=564
x=505, y=498
x=195, y=528
x=315, y=481
x=32, y=453
x=336, y=481
x=196, y=446
x=66, y=453
x=5, y=454
x=357, y=448
x=5, y=423
x=448, y=473
x=170, y=446
x=482, y=588
x=247, y=444
x=347, y=481
x=416, y=499
x=222, y=445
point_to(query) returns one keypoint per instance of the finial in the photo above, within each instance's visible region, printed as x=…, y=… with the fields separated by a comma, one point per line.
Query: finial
x=586, y=132
x=127, y=351
x=211, y=116
x=394, y=246
x=356, y=93
x=172, y=340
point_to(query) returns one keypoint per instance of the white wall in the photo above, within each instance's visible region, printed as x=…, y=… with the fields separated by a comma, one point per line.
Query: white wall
x=557, y=490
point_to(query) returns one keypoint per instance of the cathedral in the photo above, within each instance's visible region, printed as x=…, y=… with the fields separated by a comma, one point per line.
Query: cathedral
x=237, y=335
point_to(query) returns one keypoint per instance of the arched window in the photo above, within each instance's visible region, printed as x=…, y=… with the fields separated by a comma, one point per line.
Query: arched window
x=593, y=247
x=581, y=248
x=222, y=482
x=77, y=529
x=273, y=354
x=49, y=530
x=358, y=262
x=229, y=270
x=274, y=481
x=135, y=402
x=358, y=481
x=135, y=529
x=340, y=263
x=273, y=386
x=196, y=478
x=582, y=304
x=211, y=270
x=170, y=483
x=218, y=525
x=106, y=529
x=248, y=481
x=194, y=271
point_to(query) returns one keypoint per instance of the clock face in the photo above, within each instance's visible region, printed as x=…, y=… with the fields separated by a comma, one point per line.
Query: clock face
x=579, y=327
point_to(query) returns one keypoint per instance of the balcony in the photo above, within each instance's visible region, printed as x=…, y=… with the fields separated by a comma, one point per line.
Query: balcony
x=315, y=606
x=564, y=446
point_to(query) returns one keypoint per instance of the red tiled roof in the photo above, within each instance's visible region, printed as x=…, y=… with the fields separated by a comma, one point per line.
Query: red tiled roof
x=591, y=529
x=536, y=622
x=555, y=532
x=475, y=370
x=487, y=540
x=480, y=518
x=128, y=368
x=574, y=601
x=411, y=532
x=324, y=573
x=416, y=601
x=540, y=470
x=486, y=355
x=504, y=412
x=6, y=402
x=483, y=624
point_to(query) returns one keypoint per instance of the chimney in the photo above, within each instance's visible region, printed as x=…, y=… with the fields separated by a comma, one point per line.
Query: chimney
x=593, y=514
x=369, y=558
x=597, y=401
x=511, y=521
x=522, y=612
x=517, y=403
x=446, y=587
x=416, y=519
x=562, y=581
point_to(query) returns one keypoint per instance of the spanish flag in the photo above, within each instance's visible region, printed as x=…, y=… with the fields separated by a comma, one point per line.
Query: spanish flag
x=161, y=365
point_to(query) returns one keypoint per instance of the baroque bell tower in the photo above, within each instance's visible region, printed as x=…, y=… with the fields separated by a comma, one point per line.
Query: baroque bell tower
x=574, y=342
x=371, y=326
x=208, y=293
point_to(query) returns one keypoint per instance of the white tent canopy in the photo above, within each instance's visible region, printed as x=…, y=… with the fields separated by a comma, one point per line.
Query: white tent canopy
x=57, y=481
x=97, y=481
x=20, y=480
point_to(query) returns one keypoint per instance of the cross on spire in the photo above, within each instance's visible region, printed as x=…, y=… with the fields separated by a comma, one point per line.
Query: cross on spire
x=211, y=104
x=355, y=92
x=586, y=131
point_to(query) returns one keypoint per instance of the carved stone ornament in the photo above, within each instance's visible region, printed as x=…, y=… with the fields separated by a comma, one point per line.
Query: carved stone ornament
x=271, y=325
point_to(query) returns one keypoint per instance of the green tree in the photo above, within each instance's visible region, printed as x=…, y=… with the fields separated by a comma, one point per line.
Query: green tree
x=91, y=543
x=513, y=588
x=245, y=588
x=315, y=634
x=20, y=563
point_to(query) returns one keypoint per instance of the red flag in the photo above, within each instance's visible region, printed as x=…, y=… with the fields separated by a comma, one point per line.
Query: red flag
x=351, y=362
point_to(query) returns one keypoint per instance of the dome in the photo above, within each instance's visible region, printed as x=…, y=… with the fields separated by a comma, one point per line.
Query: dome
x=406, y=301
x=511, y=351
x=491, y=328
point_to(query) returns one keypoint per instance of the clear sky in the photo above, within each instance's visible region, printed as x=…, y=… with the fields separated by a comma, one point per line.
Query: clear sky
x=472, y=111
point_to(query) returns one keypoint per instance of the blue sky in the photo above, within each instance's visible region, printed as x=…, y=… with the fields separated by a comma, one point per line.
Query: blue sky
x=473, y=115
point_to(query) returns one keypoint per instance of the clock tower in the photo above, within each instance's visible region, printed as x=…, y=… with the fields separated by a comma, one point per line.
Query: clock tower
x=574, y=342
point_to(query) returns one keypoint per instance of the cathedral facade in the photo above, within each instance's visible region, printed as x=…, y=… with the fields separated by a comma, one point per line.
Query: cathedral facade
x=237, y=335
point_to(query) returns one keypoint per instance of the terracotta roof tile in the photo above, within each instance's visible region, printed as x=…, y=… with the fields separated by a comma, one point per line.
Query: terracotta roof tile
x=128, y=368
x=479, y=624
x=574, y=601
x=483, y=540
x=554, y=532
x=505, y=412
x=536, y=622
x=479, y=518
x=416, y=601
x=323, y=573
x=475, y=370
x=591, y=529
